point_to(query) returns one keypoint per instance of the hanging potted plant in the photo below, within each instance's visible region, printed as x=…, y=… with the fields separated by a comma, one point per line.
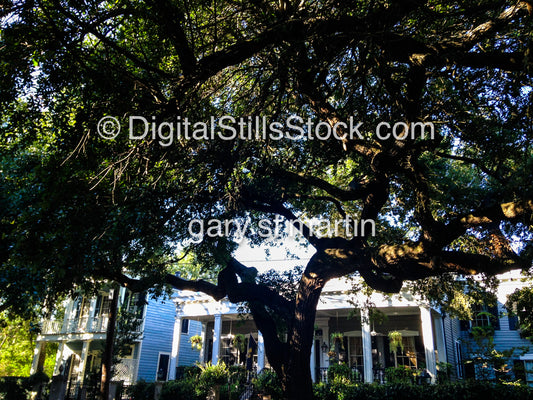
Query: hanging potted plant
x=337, y=345
x=395, y=341
x=239, y=342
x=196, y=342
x=337, y=339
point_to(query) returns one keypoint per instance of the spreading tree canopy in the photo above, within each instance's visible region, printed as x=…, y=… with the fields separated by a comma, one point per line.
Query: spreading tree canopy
x=448, y=193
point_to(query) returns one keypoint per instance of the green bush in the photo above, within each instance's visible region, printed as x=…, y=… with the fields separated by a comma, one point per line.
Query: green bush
x=336, y=371
x=267, y=382
x=187, y=371
x=464, y=390
x=444, y=372
x=142, y=390
x=231, y=392
x=238, y=374
x=401, y=374
x=196, y=382
x=211, y=377
x=320, y=391
x=14, y=388
x=182, y=389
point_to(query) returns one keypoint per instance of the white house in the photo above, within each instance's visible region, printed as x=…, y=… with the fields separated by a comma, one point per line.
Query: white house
x=366, y=343
x=428, y=335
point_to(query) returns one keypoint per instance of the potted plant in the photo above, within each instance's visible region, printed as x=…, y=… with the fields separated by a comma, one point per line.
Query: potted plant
x=268, y=385
x=239, y=342
x=395, y=341
x=337, y=337
x=212, y=377
x=196, y=342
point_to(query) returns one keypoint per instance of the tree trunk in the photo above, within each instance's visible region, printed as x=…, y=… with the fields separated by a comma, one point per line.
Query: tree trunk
x=107, y=361
x=296, y=380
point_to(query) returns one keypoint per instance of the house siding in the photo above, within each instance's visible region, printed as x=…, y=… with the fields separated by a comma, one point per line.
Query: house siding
x=187, y=355
x=504, y=338
x=157, y=336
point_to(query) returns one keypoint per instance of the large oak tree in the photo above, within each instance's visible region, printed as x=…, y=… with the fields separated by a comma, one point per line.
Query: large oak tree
x=77, y=208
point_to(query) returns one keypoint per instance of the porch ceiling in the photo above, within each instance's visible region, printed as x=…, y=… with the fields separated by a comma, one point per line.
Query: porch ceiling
x=332, y=313
x=345, y=312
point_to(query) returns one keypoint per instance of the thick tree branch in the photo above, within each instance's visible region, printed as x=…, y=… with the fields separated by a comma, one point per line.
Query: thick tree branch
x=359, y=192
x=276, y=207
x=171, y=18
x=228, y=285
x=469, y=160
x=514, y=211
x=336, y=203
x=108, y=42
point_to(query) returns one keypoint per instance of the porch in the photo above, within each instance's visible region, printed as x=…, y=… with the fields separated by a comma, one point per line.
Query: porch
x=77, y=369
x=365, y=345
x=350, y=336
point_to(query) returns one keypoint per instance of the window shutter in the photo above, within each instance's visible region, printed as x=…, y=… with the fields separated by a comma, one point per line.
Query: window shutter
x=464, y=325
x=513, y=322
x=495, y=321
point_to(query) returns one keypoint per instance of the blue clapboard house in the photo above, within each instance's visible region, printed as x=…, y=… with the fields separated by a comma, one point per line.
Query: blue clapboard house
x=78, y=328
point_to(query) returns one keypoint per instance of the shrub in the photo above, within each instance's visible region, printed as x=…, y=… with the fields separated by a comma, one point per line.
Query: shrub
x=142, y=390
x=336, y=371
x=237, y=374
x=401, y=374
x=14, y=388
x=320, y=391
x=182, y=389
x=267, y=382
x=212, y=376
x=444, y=371
x=232, y=391
x=464, y=390
x=187, y=371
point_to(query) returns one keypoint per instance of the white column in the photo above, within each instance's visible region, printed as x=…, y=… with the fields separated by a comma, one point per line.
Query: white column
x=313, y=363
x=325, y=357
x=429, y=345
x=204, y=342
x=367, y=345
x=439, y=335
x=122, y=295
x=260, y=352
x=176, y=339
x=90, y=318
x=83, y=362
x=59, y=357
x=68, y=313
x=37, y=357
x=217, y=338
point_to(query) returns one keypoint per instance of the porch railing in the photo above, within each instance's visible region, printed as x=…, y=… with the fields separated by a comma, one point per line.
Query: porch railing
x=51, y=327
x=78, y=325
x=356, y=374
x=125, y=370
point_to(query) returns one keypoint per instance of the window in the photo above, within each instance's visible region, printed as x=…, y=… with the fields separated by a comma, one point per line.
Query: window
x=162, y=366
x=483, y=316
x=407, y=357
x=486, y=316
x=134, y=303
x=185, y=326
x=355, y=348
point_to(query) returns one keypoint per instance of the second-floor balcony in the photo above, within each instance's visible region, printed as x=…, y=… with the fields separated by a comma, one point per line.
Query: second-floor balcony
x=96, y=324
